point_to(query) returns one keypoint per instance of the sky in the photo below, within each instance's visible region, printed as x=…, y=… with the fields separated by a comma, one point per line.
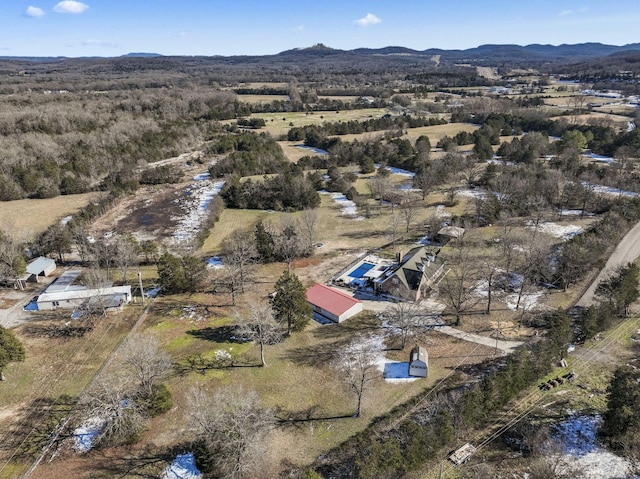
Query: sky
x=76, y=28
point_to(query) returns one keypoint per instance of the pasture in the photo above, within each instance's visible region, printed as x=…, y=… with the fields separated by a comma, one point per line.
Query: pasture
x=25, y=219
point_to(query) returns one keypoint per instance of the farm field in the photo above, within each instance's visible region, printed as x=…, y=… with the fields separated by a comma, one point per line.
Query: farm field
x=25, y=219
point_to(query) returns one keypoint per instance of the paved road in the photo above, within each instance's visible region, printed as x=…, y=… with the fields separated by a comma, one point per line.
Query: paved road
x=627, y=251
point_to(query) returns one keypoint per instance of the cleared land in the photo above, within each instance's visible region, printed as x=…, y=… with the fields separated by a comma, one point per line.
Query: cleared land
x=25, y=219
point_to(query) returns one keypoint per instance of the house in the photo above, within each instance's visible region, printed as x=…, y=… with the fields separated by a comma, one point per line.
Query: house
x=65, y=293
x=40, y=267
x=418, y=362
x=413, y=275
x=332, y=303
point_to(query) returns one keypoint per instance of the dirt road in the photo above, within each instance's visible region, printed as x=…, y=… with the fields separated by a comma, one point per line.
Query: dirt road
x=627, y=251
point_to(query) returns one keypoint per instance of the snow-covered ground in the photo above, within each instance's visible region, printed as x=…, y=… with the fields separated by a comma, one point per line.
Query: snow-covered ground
x=215, y=262
x=195, y=204
x=472, y=193
x=349, y=208
x=579, y=438
x=558, y=231
x=85, y=434
x=599, y=158
x=610, y=191
x=317, y=151
x=182, y=467
x=528, y=301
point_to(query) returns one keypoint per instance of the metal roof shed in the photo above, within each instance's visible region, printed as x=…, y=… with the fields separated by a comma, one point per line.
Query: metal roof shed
x=40, y=267
x=332, y=304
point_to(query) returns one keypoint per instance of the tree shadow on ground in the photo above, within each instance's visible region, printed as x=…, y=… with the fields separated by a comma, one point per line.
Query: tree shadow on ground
x=57, y=331
x=300, y=419
x=219, y=334
x=38, y=420
x=317, y=355
x=126, y=461
x=357, y=234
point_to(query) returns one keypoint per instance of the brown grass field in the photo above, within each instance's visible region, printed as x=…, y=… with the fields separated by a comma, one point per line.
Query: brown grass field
x=25, y=219
x=261, y=98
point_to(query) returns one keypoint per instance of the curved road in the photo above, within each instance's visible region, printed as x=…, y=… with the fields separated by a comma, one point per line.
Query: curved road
x=626, y=252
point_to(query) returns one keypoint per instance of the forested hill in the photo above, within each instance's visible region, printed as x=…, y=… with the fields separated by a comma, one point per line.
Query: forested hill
x=533, y=55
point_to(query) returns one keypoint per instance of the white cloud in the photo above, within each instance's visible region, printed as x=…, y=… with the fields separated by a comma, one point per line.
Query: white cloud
x=98, y=43
x=34, y=12
x=564, y=13
x=299, y=28
x=368, y=19
x=70, y=6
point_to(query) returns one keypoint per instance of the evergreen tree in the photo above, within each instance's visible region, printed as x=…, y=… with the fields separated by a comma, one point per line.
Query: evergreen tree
x=11, y=349
x=265, y=243
x=622, y=420
x=290, y=303
x=560, y=334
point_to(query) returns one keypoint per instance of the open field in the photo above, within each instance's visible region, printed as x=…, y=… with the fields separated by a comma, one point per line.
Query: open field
x=262, y=98
x=25, y=219
x=279, y=124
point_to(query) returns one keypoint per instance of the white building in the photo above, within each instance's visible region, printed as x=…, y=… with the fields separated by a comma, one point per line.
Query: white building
x=63, y=293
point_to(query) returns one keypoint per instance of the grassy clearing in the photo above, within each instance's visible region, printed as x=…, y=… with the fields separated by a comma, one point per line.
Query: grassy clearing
x=279, y=124
x=262, y=98
x=25, y=219
x=231, y=220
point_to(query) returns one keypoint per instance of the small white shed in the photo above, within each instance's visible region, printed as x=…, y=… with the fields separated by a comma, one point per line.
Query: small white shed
x=418, y=362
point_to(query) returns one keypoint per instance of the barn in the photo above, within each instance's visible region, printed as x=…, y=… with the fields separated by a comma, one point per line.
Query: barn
x=40, y=267
x=418, y=362
x=332, y=304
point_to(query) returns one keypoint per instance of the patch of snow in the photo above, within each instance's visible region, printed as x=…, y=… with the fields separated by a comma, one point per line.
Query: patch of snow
x=579, y=438
x=397, y=372
x=554, y=229
x=472, y=193
x=599, y=158
x=528, y=301
x=439, y=211
x=196, y=201
x=215, y=262
x=182, y=467
x=610, y=191
x=317, y=151
x=349, y=207
x=400, y=171
x=86, y=433
x=409, y=187
x=65, y=221
x=202, y=176
x=574, y=213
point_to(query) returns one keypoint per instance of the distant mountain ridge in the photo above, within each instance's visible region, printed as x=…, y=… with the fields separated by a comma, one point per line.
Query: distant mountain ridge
x=578, y=51
x=482, y=54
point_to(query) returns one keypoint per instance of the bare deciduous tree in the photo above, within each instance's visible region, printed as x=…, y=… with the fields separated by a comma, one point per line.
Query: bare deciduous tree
x=308, y=224
x=259, y=325
x=110, y=407
x=407, y=318
x=357, y=366
x=147, y=362
x=458, y=288
x=240, y=254
x=232, y=425
x=126, y=254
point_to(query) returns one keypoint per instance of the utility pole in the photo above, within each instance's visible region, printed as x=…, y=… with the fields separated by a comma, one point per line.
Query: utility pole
x=141, y=289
